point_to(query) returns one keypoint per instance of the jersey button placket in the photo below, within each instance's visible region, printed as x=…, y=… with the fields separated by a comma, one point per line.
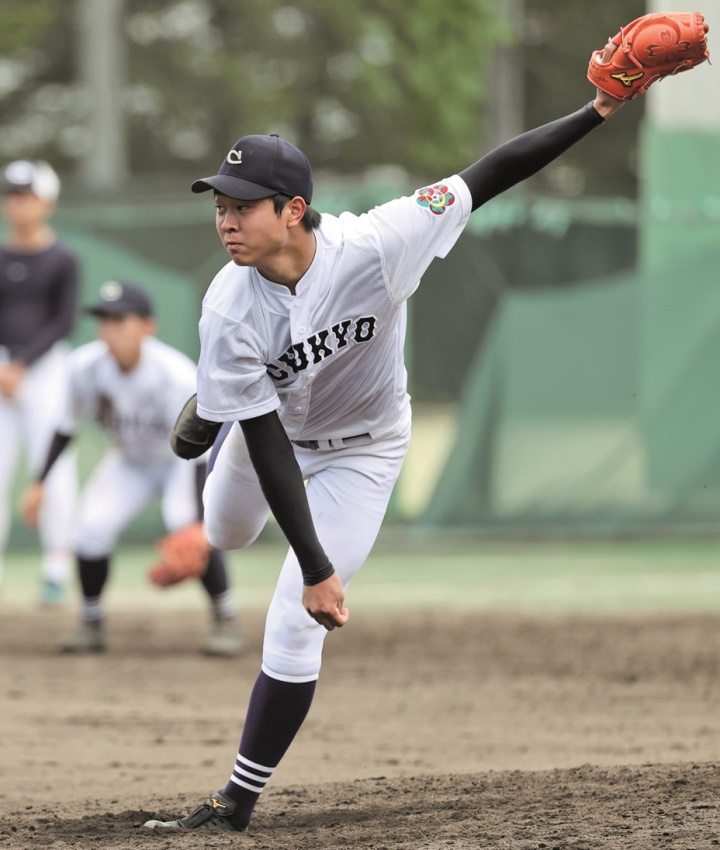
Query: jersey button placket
x=298, y=331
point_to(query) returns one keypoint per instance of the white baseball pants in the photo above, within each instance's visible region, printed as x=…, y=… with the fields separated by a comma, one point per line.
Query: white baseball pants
x=28, y=422
x=118, y=491
x=348, y=491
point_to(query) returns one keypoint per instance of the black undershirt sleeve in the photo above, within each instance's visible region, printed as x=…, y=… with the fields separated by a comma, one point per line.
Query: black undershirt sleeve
x=57, y=447
x=525, y=155
x=200, y=476
x=282, y=484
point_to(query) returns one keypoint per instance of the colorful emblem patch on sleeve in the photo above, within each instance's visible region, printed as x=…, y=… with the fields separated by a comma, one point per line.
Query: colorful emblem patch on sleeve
x=435, y=198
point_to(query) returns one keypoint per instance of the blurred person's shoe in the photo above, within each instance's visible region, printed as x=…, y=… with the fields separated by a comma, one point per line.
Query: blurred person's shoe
x=52, y=593
x=87, y=637
x=225, y=638
x=214, y=813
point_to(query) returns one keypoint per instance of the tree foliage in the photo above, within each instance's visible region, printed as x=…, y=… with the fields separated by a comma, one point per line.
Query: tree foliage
x=37, y=71
x=400, y=82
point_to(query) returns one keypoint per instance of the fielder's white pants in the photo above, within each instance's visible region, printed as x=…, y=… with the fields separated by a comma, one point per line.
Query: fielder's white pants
x=28, y=422
x=348, y=491
x=118, y=491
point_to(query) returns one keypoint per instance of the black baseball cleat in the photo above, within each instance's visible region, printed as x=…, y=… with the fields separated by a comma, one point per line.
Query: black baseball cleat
x=214, y=813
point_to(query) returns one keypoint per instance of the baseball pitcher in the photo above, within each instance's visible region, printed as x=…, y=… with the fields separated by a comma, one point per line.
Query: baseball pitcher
x=302, y=339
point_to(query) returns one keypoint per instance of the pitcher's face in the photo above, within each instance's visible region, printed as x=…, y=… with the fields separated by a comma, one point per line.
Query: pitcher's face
x=251, y=231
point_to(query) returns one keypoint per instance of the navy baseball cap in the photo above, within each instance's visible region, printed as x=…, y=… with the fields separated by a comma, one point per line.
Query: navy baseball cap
x=121, y=298
x=260, y=166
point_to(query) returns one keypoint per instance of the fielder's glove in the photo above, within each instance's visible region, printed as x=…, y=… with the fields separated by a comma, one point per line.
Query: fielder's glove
x=183, y=554
x=650, y=48
x=192, y=435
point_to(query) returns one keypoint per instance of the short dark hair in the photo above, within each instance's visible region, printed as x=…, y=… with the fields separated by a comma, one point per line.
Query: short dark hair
x=310, y=221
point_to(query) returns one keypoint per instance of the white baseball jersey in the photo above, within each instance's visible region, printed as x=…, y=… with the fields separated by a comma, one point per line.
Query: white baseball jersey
x=329, y=358
x=137, y=409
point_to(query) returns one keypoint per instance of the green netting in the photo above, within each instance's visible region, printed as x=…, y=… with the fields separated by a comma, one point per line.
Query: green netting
x=593, y=408
x=177, y=305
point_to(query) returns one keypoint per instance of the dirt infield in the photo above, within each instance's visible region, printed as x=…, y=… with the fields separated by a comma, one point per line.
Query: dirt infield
x=428, y=731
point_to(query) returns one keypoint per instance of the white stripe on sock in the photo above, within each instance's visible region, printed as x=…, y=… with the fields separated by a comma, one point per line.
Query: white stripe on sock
x=247, y=785
x=243, y=762
x=92, y=608
x=223, y=605
x=247, y=773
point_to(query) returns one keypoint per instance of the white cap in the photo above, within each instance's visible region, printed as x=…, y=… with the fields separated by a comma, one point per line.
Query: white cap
x=36, y=177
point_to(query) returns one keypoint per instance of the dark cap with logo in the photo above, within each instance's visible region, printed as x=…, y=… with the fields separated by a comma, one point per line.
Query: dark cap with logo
x=121, y=298
x=258, y=167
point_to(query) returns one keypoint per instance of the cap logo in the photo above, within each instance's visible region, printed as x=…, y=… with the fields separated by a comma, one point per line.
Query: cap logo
x=234, y=157
x=110, y=291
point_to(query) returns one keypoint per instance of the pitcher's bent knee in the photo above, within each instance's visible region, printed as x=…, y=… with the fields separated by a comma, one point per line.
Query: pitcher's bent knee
x=225, y=534
x=292, y=649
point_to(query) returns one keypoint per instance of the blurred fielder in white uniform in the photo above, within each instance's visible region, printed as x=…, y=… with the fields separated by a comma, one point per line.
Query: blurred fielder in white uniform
x=133, y=385
x=38, y=305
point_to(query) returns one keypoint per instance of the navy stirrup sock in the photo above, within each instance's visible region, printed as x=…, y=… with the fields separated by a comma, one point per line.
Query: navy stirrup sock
x=275, y=714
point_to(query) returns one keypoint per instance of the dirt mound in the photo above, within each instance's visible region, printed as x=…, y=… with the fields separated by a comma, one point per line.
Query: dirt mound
x=428, y=731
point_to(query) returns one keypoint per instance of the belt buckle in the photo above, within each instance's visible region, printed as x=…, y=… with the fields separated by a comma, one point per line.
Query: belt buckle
x=329, y=445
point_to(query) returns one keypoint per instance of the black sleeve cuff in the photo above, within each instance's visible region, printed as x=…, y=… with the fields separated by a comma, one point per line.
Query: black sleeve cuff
x=595, y=114
x=57, y=446
x=315, y=578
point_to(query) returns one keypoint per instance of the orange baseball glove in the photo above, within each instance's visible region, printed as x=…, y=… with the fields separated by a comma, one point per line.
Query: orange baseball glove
x=650, y=48
x=184, y=554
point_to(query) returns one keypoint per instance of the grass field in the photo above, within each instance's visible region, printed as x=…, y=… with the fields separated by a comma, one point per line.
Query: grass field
x=538, y=577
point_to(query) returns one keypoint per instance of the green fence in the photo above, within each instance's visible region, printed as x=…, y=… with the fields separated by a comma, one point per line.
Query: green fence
x=594, y=409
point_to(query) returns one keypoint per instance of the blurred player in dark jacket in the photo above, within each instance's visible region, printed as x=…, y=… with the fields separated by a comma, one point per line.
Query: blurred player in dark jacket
x=38, y=304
